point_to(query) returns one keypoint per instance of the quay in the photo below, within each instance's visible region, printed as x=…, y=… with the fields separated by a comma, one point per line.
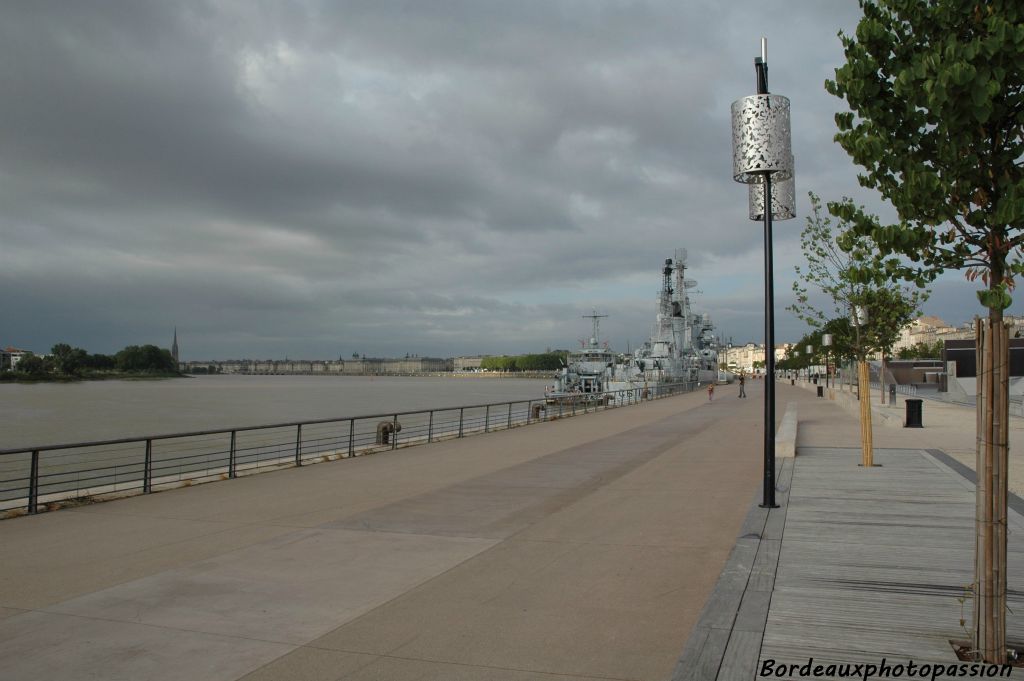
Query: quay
x=625, y=544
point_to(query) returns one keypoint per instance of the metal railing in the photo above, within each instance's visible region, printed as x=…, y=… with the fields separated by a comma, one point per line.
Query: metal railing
x=901, y=389
x=36, y=477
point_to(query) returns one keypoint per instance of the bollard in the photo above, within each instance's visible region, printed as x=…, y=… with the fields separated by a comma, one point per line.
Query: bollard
x=913, y=418
x=892, y=394
x=386, y=430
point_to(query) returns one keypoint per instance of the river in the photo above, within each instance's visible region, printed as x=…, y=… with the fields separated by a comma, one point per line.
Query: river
x=53, y=413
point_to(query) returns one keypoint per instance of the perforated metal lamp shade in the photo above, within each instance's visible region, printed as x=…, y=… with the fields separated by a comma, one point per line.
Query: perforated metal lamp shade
x=761, y=139
x=783, y=200
x=859, y=315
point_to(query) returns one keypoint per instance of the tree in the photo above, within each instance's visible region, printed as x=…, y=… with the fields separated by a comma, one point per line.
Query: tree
x=936, y=98
x=836, y=272
x=31, y=365
x=922, y=351
x=145, y=359
x=68, y=360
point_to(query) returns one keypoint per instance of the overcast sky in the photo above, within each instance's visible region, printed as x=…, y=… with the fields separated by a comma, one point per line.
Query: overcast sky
x=312, y=179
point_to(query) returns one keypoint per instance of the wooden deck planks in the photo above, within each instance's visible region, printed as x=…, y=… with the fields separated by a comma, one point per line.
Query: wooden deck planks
x=872, y=562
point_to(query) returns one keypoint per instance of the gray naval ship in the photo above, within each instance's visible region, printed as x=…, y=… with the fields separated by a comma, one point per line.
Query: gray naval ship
x=682, y=348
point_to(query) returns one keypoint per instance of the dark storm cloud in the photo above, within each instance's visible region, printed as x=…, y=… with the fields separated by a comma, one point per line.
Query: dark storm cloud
x=316, y=178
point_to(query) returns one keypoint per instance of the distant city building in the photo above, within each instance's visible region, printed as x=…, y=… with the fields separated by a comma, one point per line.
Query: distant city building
x=10, y=356
x=467, y=363
x=361, y=366
x=931, y=329
x=743, y=357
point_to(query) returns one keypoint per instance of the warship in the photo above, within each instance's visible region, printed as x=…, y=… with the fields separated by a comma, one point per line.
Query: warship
x=682, y=348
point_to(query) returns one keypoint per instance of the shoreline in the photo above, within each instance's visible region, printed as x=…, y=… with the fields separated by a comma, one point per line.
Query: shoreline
x=12, y=377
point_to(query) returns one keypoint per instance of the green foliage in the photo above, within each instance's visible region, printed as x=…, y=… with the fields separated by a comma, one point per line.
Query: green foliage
x=67, y=360
x=31, y=365
x=840, y=265
x=922, y=351
x=547, y=361
x=145, y=359
x=936, y=97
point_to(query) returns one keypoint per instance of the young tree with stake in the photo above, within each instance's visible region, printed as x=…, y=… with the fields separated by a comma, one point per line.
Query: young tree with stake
x=936, y=98
x=877, y=307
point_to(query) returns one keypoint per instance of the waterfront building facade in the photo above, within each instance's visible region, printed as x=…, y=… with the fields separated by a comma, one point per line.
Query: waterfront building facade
x=9, y=358
x=931, y=329
x=742, y=358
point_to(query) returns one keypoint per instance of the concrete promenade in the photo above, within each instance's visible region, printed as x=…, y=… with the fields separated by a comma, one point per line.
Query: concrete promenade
x=583, y=548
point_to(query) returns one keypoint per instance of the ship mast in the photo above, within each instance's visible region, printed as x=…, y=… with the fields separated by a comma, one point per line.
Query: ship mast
x=595, y=317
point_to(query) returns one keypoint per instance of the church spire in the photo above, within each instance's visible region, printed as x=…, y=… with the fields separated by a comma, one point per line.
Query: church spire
x=174, y=348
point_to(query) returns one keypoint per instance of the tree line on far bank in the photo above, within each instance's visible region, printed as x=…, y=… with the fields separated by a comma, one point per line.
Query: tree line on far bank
x=546, y=361
x=65, y=361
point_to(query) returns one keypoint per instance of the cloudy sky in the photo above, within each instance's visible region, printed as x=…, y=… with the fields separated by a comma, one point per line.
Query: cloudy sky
x=317, y=178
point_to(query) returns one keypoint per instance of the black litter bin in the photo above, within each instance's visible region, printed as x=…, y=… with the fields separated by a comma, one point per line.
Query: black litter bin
x=792, y=381
x=821, y=391
x=913, y=414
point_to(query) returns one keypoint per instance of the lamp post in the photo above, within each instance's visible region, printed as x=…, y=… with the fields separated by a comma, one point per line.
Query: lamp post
x=763, y=159
x=810, y=361
x=826, y=342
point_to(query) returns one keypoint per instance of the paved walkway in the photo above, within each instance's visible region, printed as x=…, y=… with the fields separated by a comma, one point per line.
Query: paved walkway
x=583, y=548
x=870, y=564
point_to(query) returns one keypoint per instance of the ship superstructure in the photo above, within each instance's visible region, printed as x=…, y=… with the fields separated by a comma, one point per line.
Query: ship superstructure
x=682, y=347
x=587, y=371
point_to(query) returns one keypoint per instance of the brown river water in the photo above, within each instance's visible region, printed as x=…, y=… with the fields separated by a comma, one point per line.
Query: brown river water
x=54, y=413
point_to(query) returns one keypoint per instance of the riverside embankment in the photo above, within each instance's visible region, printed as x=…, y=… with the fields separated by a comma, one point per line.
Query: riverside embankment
x=49, y=476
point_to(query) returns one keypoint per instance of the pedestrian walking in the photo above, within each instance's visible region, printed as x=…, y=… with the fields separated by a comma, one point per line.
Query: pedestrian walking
x=711, y=391
x=743, y=393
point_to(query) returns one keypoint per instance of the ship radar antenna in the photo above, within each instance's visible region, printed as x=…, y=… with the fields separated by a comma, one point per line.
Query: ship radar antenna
x=595, y=317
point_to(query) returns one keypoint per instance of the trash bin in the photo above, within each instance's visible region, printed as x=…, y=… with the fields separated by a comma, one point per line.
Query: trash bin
x=792, y=381
x=913, y=414
x=821, y=391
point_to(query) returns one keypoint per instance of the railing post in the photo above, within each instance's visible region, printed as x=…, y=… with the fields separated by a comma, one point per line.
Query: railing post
x=33, y=484
x=529, y=411
x=394, y=432
x=351, y=435
x=147, y=468
x=461, y=412
x=430, y=427
x=487, y=418
x=298, y=445
x=231, y=457
x=508, y=425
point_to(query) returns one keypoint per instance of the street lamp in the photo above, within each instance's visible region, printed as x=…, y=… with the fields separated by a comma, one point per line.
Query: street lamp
x=826, y=342
x=810, y=360
x=762, y=156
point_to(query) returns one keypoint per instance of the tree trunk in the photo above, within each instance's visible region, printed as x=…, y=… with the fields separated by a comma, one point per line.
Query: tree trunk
x=864, y=393
x=990, y=506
